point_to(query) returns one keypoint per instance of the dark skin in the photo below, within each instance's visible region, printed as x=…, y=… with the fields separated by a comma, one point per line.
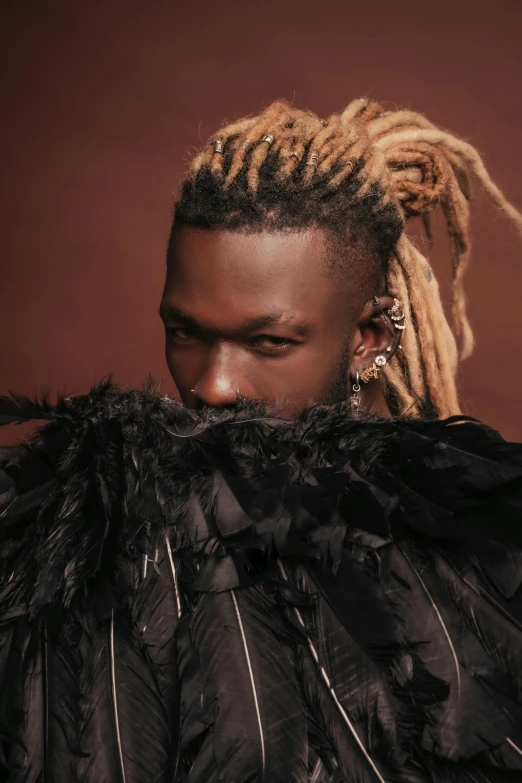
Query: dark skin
x=262, y=316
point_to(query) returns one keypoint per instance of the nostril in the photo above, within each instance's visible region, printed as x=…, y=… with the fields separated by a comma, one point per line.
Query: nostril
x=214, y=393
x=213, y=398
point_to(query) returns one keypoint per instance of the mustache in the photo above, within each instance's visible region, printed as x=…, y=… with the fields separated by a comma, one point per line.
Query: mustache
x=260, y=406
x=278, y=407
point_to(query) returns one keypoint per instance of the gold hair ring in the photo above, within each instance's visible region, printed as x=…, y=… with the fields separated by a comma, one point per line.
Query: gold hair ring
x=245, y=144
x=269, y=139
x=312, y=159
x=218, y=146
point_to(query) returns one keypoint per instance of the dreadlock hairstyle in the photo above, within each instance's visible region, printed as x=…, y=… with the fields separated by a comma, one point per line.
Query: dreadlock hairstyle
x=367, y=170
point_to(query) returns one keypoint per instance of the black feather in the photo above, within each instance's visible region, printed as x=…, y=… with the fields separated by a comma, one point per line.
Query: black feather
x=18, y=409
x=226, y=595
x=242, y=719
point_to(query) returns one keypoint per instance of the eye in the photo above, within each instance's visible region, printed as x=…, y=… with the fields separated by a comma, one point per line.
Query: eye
x=180, y=333
x=269, y=343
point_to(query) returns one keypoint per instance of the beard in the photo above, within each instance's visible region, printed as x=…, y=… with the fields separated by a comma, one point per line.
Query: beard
x=339, y=389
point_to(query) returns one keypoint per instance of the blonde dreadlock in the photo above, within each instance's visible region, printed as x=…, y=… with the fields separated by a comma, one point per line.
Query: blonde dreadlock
x=368, y=168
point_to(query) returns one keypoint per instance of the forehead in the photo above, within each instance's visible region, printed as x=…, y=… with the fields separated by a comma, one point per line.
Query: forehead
x=239, y=274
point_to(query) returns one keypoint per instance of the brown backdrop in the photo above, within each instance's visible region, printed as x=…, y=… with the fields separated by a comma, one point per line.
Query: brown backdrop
x=103, y=101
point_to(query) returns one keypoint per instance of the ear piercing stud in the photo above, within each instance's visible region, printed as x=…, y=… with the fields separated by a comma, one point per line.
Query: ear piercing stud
x=369, y=373
x=373, y=371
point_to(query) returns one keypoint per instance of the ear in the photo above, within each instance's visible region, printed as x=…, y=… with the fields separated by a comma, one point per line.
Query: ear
x=375, y=335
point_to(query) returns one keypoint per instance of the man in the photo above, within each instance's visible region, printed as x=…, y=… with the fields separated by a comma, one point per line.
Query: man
x=267, y=583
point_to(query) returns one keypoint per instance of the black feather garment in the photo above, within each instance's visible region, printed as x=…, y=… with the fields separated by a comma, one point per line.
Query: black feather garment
x=228, y=597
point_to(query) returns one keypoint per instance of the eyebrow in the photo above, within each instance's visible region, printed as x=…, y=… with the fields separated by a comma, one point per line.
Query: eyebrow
x=170, y=313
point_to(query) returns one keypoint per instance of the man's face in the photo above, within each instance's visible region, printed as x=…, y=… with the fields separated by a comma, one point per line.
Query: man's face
x=256, y=315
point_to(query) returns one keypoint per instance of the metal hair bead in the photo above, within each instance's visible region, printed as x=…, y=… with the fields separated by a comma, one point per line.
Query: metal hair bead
x=269, y=139
x=312, y=159
x=245, y=144
x=218, y=146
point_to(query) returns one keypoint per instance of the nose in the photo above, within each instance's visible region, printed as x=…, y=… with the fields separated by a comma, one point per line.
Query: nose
x=220, y=382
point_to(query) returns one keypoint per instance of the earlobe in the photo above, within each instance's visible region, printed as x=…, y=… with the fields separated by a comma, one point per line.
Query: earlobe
x=373, y=371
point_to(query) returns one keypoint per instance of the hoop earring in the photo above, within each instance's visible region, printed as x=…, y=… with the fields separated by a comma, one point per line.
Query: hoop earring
x=396, y=313
x=355, y=397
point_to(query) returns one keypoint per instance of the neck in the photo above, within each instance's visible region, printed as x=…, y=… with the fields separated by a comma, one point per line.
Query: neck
x=374, y=401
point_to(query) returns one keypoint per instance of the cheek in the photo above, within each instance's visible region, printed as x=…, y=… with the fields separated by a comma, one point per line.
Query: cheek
x=185, y=365
x=308, y=374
